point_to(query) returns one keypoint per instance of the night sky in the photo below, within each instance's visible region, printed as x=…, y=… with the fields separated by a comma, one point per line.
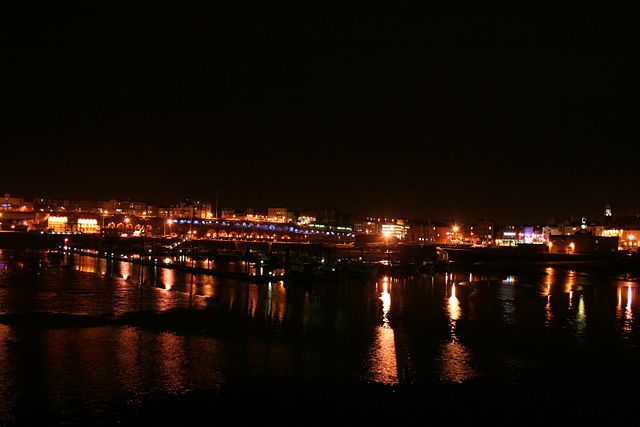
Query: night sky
x=380, y=112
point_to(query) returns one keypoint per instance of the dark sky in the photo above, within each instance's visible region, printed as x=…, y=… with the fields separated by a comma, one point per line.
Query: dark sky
x=383, y=112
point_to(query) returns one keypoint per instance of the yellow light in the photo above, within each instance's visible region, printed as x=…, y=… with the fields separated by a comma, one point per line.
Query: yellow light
x=455, y=228
x=127, y=220
x=169, y=221
x=387, y=234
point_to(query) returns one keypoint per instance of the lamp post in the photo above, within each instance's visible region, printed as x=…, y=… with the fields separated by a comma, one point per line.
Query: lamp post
x=455, y=236
x=170, y=222
x=103, y=215
x=387, y=235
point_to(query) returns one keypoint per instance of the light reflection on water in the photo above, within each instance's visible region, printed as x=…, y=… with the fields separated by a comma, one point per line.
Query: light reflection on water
x=625, y=296
x=455, y=357
x=383, y=365
x=79, y=366
x=393, y=331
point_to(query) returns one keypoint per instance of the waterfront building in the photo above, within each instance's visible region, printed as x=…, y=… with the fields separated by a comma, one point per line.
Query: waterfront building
x=397, y=229
x=279, y=215
x=627, y=237
x=248, y=214
x=14, y=204
x=186, y=209
x=87, y=226
x=330, y=218
x=429, y=232
x=57, y=223
x=305, y=220
x=367, y=226
x=583, y=242
x=484, y=232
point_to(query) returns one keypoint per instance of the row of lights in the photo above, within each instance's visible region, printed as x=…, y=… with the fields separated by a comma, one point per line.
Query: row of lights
x=265, y=226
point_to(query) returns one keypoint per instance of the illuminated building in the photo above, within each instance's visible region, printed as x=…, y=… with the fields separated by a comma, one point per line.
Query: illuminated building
x=628, y=238
x=371, y=226
x=227, y=213
x=484, y=232
x=306, y=220
x=514, y=235
x=279, y=215
x=583, y=242
x=14, y=204
x=186, y=209
x=87, y=225
x=428, y=232
x=248, y=214
x=57, y=223
x=397, y=230
x=367, y=226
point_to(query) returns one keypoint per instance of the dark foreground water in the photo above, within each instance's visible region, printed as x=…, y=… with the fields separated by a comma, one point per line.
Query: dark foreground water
x=87, y=341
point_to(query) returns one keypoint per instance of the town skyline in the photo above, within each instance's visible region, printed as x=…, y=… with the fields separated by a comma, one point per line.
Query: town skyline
x=594, y=213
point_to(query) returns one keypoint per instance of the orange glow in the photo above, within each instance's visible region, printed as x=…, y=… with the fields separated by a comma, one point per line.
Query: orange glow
x=383, y=365
x=456, y=366
x=453, y=305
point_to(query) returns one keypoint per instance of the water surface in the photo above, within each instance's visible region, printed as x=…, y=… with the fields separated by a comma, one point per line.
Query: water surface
x=85, y=338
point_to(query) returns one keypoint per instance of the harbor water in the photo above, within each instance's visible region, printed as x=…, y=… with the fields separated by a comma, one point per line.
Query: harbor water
x=91, y=340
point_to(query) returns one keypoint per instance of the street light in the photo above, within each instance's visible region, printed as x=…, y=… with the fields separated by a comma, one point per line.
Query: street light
x=103, y=215
x=454, y=235
x=387, y=235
